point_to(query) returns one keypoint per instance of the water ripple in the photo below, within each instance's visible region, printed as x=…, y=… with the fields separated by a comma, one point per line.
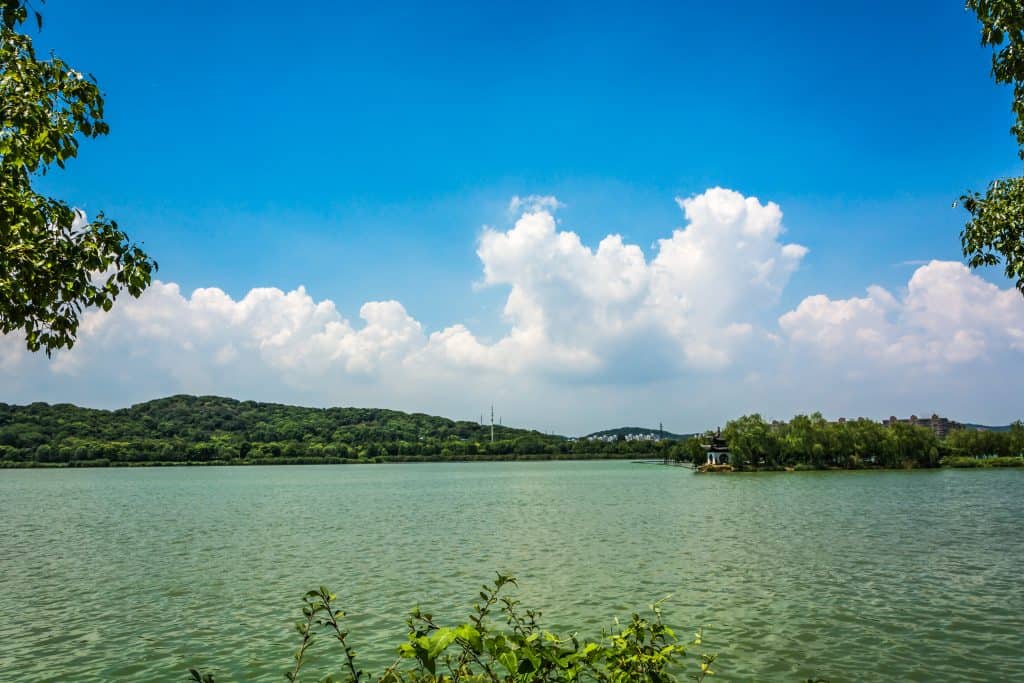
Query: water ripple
x=138, y=574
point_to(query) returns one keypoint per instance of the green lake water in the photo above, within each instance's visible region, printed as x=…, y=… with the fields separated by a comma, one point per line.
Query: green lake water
x=137, y=574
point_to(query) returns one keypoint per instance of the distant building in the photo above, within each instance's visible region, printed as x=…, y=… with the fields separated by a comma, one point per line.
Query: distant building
x=844, y=420
x=942, y=426
x=635, y=436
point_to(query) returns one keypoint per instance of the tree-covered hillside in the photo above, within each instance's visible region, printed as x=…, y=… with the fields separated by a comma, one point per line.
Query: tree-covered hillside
x=988, y=428
x=210, y=428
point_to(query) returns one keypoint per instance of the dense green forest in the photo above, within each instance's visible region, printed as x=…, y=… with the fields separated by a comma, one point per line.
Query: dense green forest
x=812, y=442
x=213, y=429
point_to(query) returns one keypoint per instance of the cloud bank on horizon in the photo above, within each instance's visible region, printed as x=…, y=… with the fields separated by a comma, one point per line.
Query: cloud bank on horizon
x=595, y=337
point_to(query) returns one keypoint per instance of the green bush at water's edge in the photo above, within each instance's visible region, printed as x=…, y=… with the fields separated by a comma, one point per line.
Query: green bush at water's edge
x=645, y=649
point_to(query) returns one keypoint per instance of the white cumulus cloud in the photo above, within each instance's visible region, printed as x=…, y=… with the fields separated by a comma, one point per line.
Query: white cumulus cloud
x=947, y=315
x=580, y=310
x=593, y=336
x=267, y=331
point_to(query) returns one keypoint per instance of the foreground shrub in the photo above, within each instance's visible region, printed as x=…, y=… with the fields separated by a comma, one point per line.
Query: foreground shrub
x=645, y=649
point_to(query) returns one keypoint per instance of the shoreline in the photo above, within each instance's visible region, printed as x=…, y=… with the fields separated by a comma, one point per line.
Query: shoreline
x=959, y=463
x=274, y=462
x=994, y=463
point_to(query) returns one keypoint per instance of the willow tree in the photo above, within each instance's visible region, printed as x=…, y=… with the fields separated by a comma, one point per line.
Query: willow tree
x=995, y=232
x=54, y=262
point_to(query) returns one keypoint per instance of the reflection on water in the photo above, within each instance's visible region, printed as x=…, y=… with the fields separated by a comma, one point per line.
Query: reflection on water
x=140, y=573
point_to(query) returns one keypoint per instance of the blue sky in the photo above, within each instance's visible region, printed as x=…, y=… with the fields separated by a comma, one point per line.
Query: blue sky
x=360, y=150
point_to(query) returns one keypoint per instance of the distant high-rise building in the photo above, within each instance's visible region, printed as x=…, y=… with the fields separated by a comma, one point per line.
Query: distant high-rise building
x=942, y=426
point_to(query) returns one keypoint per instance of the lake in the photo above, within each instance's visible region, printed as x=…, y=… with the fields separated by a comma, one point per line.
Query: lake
x=139, y=573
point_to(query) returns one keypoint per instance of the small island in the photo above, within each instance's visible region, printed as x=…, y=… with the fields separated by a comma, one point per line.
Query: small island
x=811, y=442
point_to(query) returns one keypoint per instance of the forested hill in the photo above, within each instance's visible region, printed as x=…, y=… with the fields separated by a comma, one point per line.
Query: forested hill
x=200, y=418
x=988, y=428
x=210, y=428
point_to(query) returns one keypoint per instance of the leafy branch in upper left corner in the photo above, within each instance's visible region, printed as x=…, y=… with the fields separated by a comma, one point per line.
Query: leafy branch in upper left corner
x=54, y=262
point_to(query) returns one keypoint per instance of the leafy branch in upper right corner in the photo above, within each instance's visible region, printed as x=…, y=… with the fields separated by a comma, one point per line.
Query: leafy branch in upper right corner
x=995, y=231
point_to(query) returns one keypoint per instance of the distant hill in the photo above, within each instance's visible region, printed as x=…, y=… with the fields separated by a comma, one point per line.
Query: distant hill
x=987, y=428
x=199, y=418
x=636, y=432
x=211, y=428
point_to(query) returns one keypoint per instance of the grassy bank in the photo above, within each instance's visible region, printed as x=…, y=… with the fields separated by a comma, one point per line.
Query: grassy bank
x=963, y=462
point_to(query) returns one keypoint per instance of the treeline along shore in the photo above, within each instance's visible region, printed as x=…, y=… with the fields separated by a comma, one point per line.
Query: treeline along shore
x=210, y=430
x=812, y=442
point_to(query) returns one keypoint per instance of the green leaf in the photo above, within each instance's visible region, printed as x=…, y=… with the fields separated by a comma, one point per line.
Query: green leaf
x=440, y=640
x=471, y=635
x=509, y=661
